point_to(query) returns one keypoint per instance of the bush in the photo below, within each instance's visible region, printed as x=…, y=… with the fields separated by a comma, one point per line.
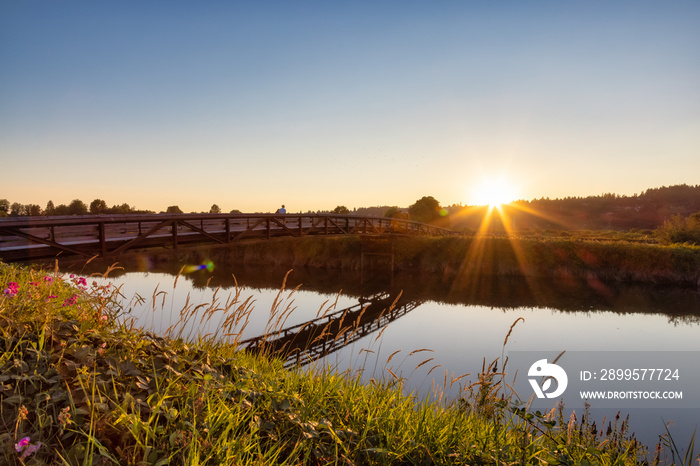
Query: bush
x=680, y=230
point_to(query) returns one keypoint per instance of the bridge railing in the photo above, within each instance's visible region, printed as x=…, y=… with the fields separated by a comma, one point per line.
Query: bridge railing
x=24, y=238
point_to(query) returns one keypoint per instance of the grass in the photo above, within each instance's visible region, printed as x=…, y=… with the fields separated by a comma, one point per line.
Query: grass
x=81, y=386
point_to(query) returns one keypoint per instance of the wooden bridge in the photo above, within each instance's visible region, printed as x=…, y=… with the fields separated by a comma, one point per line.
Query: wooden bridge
x=33, y=238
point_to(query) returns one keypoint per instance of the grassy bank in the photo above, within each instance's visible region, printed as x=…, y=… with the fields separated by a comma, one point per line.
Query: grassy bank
x=536, y=257
x=80, y=386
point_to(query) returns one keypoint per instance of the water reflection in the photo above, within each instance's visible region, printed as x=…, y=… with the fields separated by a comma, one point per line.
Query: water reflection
x=591, y=295
x=302, y=344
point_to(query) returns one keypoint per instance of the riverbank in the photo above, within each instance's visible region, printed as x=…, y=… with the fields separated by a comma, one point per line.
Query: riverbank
x=465, y=257
x=80, y=386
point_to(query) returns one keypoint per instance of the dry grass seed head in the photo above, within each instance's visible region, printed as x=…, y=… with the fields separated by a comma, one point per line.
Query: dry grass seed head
x=425, y=362
x=391, y=356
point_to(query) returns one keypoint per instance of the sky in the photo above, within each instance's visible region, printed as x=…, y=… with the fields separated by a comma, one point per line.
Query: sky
x=315, y=104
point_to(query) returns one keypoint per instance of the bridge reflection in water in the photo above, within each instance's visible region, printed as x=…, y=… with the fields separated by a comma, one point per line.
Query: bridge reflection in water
x=304, y=343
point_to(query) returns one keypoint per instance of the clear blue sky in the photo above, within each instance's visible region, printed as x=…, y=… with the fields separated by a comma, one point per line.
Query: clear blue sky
x=317, y=104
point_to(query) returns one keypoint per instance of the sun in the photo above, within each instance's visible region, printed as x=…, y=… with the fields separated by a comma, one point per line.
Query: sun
x=494, y=192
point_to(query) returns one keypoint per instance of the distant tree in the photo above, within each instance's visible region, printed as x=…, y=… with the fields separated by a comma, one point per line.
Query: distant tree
x=341, y=209
x=395, y=212
x=235, y=211
x=122, y=209
x=16, y=209
x=4, y=207
x=33, y=209
x=77, y=207
x=426, y=210
x=50, y=209
x=98, y=206
x=215, y=209
x=61, y=209
x=173, y=209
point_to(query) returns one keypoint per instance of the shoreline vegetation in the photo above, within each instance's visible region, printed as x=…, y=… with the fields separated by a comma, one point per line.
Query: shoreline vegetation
x=79, y=385
x=464, y=257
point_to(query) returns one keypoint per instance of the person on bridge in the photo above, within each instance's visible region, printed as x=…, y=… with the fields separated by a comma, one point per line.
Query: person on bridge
x=282, y=210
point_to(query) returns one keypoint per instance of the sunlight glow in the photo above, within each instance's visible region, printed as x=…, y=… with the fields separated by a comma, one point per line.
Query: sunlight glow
x=494, y=192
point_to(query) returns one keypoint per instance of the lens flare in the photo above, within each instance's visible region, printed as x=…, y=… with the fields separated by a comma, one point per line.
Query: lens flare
x=207, y=265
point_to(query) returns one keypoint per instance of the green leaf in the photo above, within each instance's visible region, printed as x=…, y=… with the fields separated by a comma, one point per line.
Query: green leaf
x=13, y=400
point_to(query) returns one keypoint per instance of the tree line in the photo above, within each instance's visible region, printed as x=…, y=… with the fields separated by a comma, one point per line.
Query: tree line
x=78, y=207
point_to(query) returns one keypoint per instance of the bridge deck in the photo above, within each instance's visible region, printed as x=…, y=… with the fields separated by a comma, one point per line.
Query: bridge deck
x=26, y=238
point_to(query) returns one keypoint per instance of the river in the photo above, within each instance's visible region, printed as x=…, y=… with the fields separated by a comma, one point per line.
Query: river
x=458, y=324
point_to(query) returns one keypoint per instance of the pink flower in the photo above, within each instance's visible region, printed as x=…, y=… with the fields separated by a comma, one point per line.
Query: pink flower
x=70, y=301
x=48, y=279
x=27, y=447
x=21, y=444
x=12, y=289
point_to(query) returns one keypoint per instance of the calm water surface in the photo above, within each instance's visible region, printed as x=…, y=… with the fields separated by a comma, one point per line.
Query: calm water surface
x=462, y=322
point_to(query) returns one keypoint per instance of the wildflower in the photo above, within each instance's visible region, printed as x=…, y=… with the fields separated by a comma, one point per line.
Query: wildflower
x=12, y=289
x=80, y=281
x=21, y=444
x=52, y=296
x=48, y=279
x=70, y=301
x=28, y=448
